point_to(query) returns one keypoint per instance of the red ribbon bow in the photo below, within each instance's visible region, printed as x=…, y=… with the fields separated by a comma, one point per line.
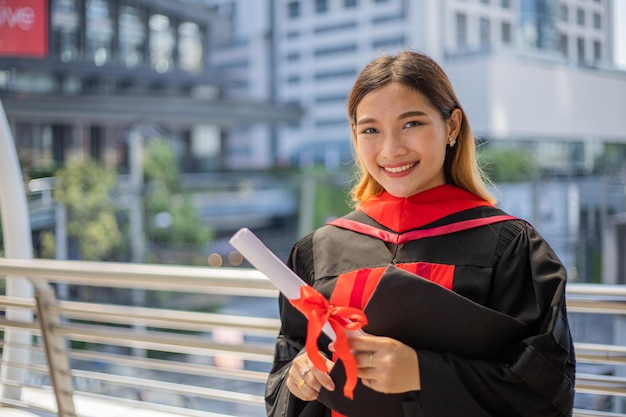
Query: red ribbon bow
x=318, y=311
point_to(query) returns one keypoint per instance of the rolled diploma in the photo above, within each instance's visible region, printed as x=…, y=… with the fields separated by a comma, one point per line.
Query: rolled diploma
x=273, y=268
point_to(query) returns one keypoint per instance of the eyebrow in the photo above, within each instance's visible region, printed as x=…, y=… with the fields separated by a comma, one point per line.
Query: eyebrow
x=411, y=113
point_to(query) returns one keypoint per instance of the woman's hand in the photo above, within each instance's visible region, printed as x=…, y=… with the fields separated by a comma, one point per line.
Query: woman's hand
x=305, y=381
x=385, y=364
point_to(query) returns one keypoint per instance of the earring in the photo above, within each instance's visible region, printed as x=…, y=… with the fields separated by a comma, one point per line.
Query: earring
x=452, y=142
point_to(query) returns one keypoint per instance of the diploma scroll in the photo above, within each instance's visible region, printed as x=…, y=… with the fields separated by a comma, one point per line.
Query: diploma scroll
x=287, y=282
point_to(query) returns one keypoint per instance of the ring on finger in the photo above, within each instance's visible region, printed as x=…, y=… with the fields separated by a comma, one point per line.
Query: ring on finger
x=371, y=360
x=301, y=384
x=304, y=372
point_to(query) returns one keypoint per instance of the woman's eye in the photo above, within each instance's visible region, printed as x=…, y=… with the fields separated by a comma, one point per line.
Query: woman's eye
x=368, y=130
x=412, y=123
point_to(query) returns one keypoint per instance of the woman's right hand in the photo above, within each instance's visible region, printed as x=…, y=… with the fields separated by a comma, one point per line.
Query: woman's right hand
x=305, y=381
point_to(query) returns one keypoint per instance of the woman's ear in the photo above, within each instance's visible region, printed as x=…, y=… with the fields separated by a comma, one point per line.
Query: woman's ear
x=454, y=123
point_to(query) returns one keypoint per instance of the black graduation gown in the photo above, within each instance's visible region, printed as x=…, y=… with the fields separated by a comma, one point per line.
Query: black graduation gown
x=505, y=268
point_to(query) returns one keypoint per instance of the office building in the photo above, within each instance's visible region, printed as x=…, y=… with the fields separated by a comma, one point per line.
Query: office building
x=81, y=78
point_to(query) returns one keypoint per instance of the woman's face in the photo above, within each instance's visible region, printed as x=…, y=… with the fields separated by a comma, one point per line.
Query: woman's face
x=401, y=139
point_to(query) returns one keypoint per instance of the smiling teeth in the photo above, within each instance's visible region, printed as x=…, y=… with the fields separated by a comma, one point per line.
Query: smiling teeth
x=399, y=169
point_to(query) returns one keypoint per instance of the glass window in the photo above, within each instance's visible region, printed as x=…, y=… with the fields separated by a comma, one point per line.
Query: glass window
x=99, y=31
x=331, y=98
x=293, y=56
x=485, y=32
x=350, y=3
x=132, y=35
x=564, y=45
x=293, y=79
x=564, y=13
x=396, y=41
x=321, y=6
x=507, y=33
x=335, y=50
x=335, y=74
x=597, y=51
x=461, y=30
x=190, y=50
x=597, y=20
x=162, y=43
x=293, y=9
x=580, y=17
x=506, y=4
x=65, y=29
x=580, y=43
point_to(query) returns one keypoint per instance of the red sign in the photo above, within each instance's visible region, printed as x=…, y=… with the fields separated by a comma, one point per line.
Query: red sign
x=23, y=28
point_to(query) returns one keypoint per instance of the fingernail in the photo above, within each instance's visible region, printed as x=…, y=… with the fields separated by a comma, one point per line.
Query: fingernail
x=330, y=386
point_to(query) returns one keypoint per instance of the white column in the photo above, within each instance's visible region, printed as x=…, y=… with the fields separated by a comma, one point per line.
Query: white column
x=17, y=244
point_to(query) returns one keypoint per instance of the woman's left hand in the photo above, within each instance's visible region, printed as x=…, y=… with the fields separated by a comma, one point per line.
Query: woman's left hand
x=386, y=365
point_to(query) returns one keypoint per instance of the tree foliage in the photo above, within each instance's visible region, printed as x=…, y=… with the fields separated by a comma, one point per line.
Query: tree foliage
x=507, y=165
x=612, y=160
x=84, y=187
x=171, y=216
x=331, y=195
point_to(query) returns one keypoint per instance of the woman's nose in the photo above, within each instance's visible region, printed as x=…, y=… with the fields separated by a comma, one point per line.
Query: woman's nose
x=393, y=145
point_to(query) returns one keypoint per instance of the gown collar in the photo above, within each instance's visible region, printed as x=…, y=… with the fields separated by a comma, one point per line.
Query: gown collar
x=400, y=214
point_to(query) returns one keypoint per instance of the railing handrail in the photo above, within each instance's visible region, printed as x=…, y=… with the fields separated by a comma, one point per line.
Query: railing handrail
x=574, y=289
x=158, y=276
x=228, y=281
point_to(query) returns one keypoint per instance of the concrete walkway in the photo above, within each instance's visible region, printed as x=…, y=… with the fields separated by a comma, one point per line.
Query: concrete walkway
x=9, y=412
x=85, y=407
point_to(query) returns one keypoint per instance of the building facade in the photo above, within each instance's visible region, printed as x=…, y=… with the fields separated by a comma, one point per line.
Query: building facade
x=105, y=70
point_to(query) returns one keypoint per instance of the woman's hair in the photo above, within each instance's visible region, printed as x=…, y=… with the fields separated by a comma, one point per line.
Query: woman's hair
x=421, y=73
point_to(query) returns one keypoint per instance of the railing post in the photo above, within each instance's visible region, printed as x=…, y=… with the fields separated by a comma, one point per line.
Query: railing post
x=619, y=405
x=56, y=352
x=17, y=244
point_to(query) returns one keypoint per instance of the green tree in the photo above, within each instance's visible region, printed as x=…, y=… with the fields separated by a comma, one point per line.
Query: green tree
x=84, y=187
x=507, y=165
x=172, y=219
x=611, y=160
x=331, y=202
x=331, y=191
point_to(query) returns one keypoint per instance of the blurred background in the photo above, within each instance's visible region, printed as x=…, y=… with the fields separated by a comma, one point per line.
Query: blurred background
x=181, y=121
x=149, y=131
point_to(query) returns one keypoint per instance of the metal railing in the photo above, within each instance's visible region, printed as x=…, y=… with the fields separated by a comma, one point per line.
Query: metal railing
x=161, y=358
x=185, y=362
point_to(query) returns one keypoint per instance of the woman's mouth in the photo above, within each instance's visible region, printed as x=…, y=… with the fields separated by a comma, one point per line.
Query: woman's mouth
x=400, y=168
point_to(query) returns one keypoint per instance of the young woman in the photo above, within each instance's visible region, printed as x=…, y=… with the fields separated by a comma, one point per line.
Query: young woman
x=465, y=304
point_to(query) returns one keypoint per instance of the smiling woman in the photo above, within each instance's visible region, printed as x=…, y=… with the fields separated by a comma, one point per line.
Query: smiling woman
x=465, y=304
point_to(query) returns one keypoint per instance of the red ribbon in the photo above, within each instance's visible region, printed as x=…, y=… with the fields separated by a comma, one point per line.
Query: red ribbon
x=318, y=311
